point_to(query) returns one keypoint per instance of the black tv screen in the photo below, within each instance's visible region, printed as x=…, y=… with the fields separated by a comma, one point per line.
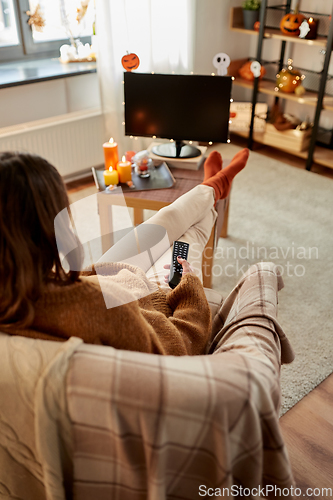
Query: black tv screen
x=178, y=107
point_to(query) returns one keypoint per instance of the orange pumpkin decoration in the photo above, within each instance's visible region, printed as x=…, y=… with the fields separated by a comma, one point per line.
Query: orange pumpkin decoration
x=130, y=61
x=290, y=23
x=256, y=26
x=288, y=79
x=246, y=73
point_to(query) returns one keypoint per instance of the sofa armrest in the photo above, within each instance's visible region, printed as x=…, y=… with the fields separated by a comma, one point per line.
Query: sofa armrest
x=215, y=300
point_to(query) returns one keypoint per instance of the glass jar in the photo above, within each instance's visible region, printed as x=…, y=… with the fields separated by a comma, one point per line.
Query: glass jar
x=144, y=167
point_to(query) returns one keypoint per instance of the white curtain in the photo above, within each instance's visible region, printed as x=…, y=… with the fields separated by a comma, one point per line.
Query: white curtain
x=160, y=32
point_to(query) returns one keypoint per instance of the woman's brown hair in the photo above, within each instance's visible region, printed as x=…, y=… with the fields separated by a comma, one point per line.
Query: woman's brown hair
x=32, y=194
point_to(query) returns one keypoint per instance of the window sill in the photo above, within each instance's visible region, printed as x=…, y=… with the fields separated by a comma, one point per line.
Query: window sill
x=40, y=70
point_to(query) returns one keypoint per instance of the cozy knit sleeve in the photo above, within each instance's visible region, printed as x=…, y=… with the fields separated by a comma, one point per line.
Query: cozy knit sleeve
x=191, y=313
x=132, y=327
x=183, y=330
x=186, y=329
x=176, y=323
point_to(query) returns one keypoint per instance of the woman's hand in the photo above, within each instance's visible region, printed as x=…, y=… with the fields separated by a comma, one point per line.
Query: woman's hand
x=187, y=268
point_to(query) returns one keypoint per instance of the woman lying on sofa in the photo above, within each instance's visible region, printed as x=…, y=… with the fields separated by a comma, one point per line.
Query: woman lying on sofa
x=40, y=299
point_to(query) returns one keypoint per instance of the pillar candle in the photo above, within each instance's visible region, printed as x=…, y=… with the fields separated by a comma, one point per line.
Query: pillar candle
x=110, y=154
x=313, y=25
x=124, y=170
x=111, y=177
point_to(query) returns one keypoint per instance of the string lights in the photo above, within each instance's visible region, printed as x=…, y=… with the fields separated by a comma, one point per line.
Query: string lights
x=171, y=140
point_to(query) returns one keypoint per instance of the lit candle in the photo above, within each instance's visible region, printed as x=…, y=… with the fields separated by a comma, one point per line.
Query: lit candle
x=124, y=170
x=111, y=177
x=110, y=154
x=313, y=25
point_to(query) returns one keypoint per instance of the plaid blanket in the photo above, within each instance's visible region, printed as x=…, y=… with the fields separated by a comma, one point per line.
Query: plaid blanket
x=162, y=427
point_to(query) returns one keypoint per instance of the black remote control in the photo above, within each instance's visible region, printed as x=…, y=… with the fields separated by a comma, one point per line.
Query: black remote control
x=180, y=248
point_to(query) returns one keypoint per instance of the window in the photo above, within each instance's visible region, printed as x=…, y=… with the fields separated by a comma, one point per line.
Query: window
x=8, y=28
x=37, y=28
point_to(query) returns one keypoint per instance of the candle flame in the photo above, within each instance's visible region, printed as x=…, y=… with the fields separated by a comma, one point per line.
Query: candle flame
x=111, y=140
x=311, y=19
x=111, y=168
x=123, y=158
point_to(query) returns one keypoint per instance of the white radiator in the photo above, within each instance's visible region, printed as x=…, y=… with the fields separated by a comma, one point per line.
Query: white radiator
x=73, y=143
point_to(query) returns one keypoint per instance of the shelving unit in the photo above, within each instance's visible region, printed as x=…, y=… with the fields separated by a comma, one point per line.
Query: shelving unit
x=236, y=24
x=266, y=87
x=318, y=99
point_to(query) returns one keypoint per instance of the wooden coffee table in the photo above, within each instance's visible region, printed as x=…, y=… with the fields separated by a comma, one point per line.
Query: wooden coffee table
x=157, y=199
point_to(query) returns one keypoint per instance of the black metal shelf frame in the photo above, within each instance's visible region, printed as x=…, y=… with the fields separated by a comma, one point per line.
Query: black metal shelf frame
x=324, y=74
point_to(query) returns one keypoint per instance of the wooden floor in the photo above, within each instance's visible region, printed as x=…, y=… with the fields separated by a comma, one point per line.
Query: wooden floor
x=308, y=427
x=308, y=433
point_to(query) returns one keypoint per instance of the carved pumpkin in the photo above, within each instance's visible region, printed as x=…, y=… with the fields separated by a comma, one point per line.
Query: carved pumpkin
x=130, y=62
x=288, y=79
x=246, y=73
x=290, y=23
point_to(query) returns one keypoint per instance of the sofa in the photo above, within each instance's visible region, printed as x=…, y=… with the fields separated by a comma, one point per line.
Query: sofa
x=83, y=421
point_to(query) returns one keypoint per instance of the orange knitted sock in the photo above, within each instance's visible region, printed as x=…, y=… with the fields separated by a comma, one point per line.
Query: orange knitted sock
x=221, y=182
x=212, y=165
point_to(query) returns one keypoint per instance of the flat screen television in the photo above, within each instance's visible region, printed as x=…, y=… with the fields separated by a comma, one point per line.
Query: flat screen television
x=179, y=108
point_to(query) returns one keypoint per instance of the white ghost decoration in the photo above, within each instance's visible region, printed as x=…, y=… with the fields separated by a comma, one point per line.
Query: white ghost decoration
x=255, y=68
x=221, y=62
x=304, y=29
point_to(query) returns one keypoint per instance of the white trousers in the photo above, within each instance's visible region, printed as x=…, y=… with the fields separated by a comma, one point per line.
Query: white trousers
x=190, y=218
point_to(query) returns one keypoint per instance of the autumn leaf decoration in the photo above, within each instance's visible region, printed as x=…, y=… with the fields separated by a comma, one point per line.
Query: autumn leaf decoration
x=81, y=11
x=36, y=19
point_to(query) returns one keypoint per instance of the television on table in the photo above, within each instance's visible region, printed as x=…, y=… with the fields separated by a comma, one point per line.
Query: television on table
x=178, y=108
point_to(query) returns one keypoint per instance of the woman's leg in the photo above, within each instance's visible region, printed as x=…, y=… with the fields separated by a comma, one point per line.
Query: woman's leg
x=185, y=212
x=196, y=236
x=247, y=324
x=192, y=214
x=190, y=217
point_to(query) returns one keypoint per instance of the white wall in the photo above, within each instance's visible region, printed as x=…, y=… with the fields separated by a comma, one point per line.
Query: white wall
x=214, y=35
x=36, y=101
x=72, y=142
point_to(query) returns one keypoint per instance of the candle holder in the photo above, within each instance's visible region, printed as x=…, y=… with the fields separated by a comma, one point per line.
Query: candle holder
x=144, y=167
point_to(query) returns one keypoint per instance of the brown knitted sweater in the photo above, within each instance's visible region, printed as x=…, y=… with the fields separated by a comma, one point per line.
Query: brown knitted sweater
x=176, y=322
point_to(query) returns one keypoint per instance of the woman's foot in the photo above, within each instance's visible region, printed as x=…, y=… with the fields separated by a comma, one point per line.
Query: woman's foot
x=222, y=180
x=212, y=165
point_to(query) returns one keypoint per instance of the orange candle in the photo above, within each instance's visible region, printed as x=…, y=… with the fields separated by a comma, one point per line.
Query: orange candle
x=111, y=177
x=124, y=170
x=110, y=154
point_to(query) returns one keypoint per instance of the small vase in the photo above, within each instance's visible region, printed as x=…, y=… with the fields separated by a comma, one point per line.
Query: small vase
x=249, y=18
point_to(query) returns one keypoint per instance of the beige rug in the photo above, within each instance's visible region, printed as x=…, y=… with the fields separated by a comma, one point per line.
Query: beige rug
x=285, y=215
x=282, y=214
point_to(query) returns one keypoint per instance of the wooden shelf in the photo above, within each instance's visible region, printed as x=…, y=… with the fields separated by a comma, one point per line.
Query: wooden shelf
x=236, y=24
x=322, y=156
x=267, y=87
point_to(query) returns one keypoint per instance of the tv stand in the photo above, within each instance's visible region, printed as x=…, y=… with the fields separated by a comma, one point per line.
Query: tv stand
x=177, y=149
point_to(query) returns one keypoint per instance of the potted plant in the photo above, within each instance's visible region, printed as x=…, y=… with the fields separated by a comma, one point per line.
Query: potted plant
x=250, y=13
